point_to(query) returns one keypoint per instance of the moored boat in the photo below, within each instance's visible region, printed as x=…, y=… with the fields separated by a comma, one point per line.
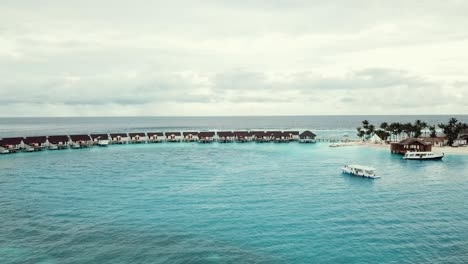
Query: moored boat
x=423, y=156
x=360, y=171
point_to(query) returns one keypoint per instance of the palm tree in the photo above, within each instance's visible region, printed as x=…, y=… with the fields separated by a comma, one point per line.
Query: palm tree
x=433, y=131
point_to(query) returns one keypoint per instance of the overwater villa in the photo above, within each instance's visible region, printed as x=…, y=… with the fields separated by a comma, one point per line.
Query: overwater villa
x=307, y=137
x=280, y=137
x=12, y=145
x=34, y=143
x=293, y=135
x=101, y=140
x=243, y=136
x=410, y=144
x=261, y=136
x=190, y=136
x=155, y=137
x=119, y=138
x=80, y=141
x=226, y=136
x=137, y=137
x=58, y=142
x=173, y=136
x=206, y=137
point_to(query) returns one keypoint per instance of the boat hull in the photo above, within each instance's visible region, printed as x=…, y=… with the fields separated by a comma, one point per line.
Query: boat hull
x=431, y=158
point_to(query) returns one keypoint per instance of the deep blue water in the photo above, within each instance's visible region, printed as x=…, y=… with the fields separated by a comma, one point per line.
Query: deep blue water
x=230, y=203
x=67, y=125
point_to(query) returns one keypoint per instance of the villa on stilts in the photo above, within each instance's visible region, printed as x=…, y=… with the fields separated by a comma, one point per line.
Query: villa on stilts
x=137, y=138
x=34, y=143
x=155, y=137
x=58, y=142
x=190, y=136
x=206, y=137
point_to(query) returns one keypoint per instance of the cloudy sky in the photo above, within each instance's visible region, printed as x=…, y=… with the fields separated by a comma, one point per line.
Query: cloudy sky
x=277, y=57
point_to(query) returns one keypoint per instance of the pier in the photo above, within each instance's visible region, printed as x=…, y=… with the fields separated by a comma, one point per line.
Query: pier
x=77, y=141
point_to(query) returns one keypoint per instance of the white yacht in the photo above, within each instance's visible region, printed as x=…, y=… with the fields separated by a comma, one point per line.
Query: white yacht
x=423, y=156
x=360, y=171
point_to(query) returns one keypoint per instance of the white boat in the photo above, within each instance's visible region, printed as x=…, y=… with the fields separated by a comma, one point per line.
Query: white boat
x=423, y=156
x=360, y=171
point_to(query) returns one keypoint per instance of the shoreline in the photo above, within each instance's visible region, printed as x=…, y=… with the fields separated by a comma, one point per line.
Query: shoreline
x=445, y=150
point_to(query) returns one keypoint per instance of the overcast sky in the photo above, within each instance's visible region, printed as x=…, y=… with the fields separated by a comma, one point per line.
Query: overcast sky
x=120, y=58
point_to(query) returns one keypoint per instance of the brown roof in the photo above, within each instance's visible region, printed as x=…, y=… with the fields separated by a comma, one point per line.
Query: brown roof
x=118, y=135
x=172, y=133
x=296, y=133
x=100, y=136
x=155, y=133
x=80, y=137
x=11, y=141
x=56, y=139
x=206, y=134
x=242, y=133
x=307, y=134
x=225, y=134
x=411, y=141
x=137, y=134
x=35, y=140
x=190, y=133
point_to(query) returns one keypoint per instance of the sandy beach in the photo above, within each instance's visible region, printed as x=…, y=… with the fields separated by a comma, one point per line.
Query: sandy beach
x=446, y=150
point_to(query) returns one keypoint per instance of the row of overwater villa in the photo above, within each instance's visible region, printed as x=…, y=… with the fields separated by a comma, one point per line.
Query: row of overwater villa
x=31, y=144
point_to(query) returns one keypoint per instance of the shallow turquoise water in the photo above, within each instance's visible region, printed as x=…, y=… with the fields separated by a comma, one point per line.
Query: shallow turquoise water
x=230, y=203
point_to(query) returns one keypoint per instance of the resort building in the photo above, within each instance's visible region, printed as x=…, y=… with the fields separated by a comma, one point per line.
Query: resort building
x=119, y=138
x=34, y=143
x=58, y=142
x=137, y=137
x=80, y=141
x=12, y=144
x=206, y=137
x=226, y=136
x=410, y=144
x=307, y=137
x=279, y=137
x=293, y=135
x=435, y=141
x=260, y=136
x=173, y=136
x=190, y=136
x=155, y=137
x=462, y=139
x=100, y=139
x=243, y=136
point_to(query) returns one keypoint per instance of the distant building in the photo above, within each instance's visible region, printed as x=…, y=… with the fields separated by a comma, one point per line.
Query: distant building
x=307, y=137
x=226, y=136
x=119, y=138
x=58, y=142
x=173, y=136
x=137, y=137
x=410, y=144
x=155, y=137
x=206, y=137
x=190, y=136
x=35, y=143
x=12, y=144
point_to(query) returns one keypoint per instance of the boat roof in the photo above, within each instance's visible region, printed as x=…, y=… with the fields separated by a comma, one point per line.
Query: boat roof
x=420, y=152
x=361, y=167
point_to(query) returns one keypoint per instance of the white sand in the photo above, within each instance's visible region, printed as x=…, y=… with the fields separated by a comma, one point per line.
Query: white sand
x=446, y=150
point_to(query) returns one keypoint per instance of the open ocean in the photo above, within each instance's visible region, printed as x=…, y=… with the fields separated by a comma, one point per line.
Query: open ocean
x=227, y=203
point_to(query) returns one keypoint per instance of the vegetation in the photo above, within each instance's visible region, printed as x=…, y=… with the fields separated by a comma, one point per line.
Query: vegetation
x=396, y=131
x=452, y=129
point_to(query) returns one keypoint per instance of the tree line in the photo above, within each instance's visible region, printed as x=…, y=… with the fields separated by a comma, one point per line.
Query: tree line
x=396, y=130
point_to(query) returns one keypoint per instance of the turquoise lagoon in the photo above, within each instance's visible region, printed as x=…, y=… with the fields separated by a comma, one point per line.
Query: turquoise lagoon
x=230, y=203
